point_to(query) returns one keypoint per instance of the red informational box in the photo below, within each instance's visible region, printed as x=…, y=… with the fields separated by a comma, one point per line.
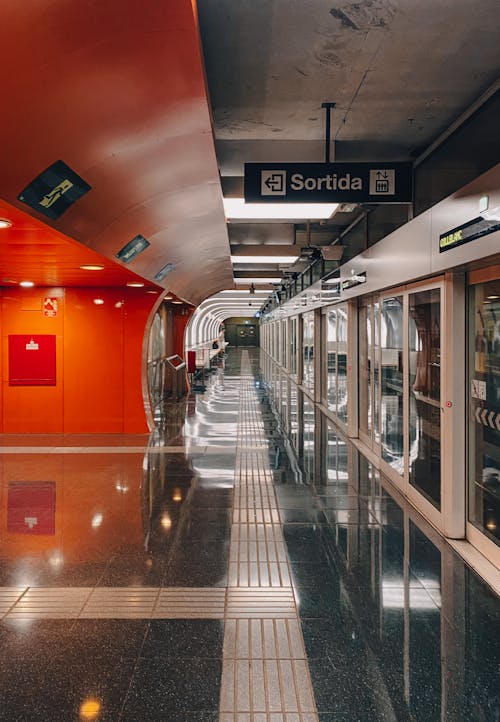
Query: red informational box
x=191, y=359
x=31, y=507
x=32, y=360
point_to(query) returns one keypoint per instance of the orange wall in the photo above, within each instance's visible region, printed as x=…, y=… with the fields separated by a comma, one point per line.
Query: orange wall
x=99, y=361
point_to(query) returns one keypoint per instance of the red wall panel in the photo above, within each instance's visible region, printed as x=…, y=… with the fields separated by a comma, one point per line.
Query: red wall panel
x=31, y=409
x=98, y=358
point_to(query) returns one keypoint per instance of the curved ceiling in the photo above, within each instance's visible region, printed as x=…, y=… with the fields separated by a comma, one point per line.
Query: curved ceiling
x=118, y=93
x=205, y=322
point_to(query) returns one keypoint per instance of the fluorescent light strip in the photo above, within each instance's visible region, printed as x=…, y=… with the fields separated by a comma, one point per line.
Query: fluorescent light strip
x=264, y=259
x=260, y=281
x=240, y=291
x=237, y=209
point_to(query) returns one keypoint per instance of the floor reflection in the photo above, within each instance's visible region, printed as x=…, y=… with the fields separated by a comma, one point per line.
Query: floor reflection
x=396, y=626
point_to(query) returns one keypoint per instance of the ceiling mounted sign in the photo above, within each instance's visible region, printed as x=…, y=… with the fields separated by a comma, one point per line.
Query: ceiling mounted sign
x=54, y=190
x=328, y=182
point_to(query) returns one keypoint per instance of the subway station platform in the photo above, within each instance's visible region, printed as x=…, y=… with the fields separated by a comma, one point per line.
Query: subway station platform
x=222, y=569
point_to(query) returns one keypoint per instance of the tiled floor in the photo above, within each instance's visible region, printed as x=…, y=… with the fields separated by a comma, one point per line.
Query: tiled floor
x=243, y=564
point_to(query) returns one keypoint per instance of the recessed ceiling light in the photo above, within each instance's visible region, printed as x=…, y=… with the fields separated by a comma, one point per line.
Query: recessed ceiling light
x=135, y=284
x=151, y=291
x=237, y=209
x=177, y=301
x=92, y=267
x=4, y=223
x=26, y=284
x=98, y=301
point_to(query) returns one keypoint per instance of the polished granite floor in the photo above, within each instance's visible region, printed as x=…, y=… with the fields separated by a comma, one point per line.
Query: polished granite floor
x=243, y=563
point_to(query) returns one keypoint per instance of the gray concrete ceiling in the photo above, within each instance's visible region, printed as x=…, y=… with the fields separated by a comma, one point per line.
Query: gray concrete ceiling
x=399, y=71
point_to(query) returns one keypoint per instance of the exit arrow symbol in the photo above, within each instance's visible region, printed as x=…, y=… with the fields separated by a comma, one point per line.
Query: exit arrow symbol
x=491, y=416
x=274, y=182
x=497, y=422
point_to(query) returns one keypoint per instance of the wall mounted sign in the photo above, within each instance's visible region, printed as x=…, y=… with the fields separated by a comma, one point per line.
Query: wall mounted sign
x=32, y=360
x=328, y=182
x=31, y=507
x=54, y=190
x=467, y=232
x=50, y=307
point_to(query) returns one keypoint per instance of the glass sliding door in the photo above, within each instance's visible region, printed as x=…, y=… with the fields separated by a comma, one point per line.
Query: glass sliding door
x=484, y=410
x=410, y=411
x=369, y=371
x=424, y=392
x=292, y=367
x=392, y=388
x=308, y=351
x=365, y=371
x=376, y=373
x=337, y=361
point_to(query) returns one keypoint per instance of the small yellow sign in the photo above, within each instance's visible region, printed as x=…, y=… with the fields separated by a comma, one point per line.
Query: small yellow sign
x=50, y=198
x=451, y=238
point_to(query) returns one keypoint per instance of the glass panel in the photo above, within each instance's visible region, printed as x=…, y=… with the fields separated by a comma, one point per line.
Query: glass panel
x=283, y=343
x=424, y=330
x=342, y=363
x=331, y=355
x=336, y=462
x=309, y=438
x=308, y=351
x=484, y=419
x=391, y=338
x=293, y=345
x=364, y=368
x=336, y=351
x=376, y=373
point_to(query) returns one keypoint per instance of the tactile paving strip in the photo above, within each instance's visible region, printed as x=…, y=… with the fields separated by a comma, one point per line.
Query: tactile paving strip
x=112, y=603
x=265, y=676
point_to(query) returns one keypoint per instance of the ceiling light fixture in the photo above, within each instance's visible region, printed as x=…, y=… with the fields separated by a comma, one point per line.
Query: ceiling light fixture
x=237, y=209
x=264, y=259
x=135, y=284
x=4, y=223
x=132, y=249
x=92, y=267
x=258, y=280
x=98, y=301
x=238, y=290
x=163, y=271
x=26, y=284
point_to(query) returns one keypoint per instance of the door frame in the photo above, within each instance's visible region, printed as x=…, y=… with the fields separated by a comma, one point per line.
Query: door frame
x=435, y=516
